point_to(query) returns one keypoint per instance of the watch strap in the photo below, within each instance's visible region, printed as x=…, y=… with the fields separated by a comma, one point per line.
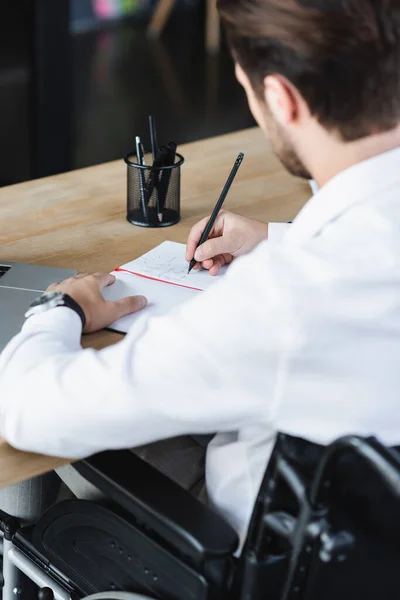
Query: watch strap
x=71, y=303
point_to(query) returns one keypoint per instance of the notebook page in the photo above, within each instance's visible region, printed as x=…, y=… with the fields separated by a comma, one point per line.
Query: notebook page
x=150, y=275
x=161, y=297
x=167, y=263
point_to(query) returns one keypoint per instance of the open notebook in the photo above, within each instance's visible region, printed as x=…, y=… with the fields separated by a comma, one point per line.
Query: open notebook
x=160, y=275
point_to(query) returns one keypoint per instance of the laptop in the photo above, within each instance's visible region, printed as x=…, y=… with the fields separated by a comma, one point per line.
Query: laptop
x=19, y=286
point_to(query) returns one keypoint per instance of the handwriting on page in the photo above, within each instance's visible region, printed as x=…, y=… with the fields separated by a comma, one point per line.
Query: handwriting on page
x=167, y=262
x=163, y=267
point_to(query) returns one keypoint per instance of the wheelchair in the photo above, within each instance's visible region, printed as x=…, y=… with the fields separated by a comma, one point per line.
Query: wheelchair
x=325, y=526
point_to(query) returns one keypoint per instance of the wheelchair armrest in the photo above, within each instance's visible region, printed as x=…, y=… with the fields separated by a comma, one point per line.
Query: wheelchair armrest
x=160, y=504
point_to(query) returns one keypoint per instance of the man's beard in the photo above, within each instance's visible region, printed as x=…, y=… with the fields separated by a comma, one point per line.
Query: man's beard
x=284, y=150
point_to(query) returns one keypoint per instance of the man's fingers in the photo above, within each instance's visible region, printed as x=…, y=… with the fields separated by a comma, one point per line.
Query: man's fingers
x=104, y=279
x=219, y=262
x=207, y=264
x=212, y=248
x=128, y=305
x=228, y=258
x=112, y=311
x=111, y=279
x=80, y=275
x=194, y=238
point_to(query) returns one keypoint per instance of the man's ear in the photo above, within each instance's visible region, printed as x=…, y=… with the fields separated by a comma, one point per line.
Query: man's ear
x=283, y=99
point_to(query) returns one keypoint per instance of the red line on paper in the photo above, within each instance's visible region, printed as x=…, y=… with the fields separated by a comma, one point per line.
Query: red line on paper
x=189, y=287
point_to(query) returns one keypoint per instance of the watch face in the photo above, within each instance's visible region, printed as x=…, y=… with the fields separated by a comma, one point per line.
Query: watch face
x=51, y=297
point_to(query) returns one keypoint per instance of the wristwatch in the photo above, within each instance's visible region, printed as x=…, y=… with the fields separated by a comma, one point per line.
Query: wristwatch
x=53, y=300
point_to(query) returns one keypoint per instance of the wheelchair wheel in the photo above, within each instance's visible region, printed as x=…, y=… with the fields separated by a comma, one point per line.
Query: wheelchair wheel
x=117, y=596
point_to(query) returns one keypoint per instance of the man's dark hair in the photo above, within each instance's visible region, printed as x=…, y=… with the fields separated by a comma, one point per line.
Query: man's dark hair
x=343, y=56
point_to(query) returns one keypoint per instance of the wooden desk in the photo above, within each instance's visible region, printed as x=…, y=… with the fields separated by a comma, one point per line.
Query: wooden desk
x=77, y=220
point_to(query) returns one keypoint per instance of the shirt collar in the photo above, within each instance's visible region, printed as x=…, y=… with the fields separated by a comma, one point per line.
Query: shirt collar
x=356, y=184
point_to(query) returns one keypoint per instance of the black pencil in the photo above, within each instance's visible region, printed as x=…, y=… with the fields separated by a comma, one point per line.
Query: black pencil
x=153, y=136
x=140, y=162
x=154, y=149
x=166, y=176
x=218, y=206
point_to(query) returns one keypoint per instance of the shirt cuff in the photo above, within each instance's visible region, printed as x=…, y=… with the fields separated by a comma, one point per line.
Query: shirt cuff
x=60, y=321
x=276, y=231
x=314, y=186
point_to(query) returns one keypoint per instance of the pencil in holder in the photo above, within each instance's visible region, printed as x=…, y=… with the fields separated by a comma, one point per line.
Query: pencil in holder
x=154, y=193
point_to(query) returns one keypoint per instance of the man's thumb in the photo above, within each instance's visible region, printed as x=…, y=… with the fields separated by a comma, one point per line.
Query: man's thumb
x=212, y=248
x=130, y=304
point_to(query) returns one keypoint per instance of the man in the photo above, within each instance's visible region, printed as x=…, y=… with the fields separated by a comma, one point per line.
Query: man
x=303, y=334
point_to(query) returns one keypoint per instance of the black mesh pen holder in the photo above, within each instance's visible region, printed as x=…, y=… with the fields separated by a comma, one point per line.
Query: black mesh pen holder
x=154, y=194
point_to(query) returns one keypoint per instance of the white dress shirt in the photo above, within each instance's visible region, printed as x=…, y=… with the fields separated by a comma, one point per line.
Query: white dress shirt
x=302, y=336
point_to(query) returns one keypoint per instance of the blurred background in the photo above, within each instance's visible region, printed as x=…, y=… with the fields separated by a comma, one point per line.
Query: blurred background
x=78, y=79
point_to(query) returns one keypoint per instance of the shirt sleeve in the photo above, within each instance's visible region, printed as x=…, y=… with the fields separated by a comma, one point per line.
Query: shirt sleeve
x=276, y=231
x=209, y=365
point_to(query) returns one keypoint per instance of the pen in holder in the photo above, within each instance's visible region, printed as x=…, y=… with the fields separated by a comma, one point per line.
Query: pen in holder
x=153, y=192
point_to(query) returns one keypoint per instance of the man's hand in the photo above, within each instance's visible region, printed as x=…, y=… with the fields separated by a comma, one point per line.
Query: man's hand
x=86, y=291
x=230, y=237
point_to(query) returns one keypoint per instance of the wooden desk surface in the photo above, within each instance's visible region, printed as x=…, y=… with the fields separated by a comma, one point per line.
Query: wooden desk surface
x=77, y=220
